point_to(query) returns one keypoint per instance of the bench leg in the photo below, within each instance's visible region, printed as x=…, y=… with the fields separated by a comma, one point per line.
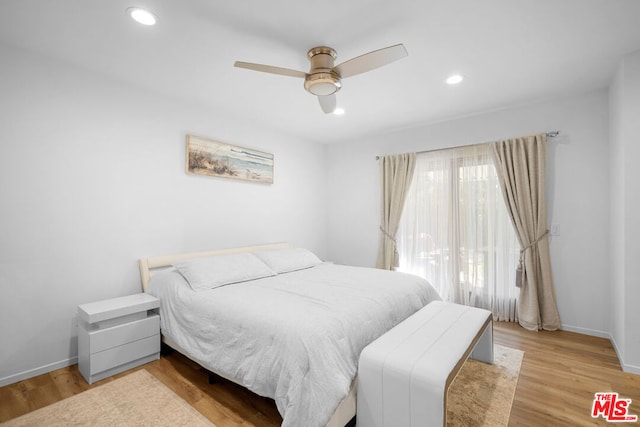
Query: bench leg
x=483, y=351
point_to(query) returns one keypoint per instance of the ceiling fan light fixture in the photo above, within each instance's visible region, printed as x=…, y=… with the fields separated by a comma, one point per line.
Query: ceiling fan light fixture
x=454, y=79
x=142, y=16
x=322, y=84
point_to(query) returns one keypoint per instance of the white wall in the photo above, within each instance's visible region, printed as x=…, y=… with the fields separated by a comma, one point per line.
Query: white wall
x=625, y=211
x=578, y=185
x=92, y=178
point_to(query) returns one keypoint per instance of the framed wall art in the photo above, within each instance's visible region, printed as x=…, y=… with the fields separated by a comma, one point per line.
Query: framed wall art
x=213, y=158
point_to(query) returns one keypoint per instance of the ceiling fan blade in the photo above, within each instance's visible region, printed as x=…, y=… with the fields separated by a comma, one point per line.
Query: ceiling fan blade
x=270, y=69
x=371, y=60
x=327, y=103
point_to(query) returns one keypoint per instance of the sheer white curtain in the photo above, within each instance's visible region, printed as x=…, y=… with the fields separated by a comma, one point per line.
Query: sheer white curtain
x=456, y=232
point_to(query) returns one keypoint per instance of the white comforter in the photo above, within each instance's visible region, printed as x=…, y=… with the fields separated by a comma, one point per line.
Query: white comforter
x=295, y=337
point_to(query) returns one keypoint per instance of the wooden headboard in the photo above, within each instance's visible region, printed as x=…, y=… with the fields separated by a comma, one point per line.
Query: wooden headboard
x=151, y=264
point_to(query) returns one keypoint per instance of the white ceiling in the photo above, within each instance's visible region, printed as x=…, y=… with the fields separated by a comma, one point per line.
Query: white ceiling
x=511, y=52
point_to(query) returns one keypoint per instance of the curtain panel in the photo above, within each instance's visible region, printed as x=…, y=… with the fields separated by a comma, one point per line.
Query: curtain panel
x=520, y=164
x=396, y=173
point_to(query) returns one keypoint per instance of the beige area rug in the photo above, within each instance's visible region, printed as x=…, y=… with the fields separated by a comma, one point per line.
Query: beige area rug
x=138, y=399
x=482, y=394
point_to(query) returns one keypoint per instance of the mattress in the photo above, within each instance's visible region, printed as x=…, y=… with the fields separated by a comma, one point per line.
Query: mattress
x=295, y=337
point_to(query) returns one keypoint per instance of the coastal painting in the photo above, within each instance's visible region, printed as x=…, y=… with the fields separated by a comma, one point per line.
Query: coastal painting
x=217, y=159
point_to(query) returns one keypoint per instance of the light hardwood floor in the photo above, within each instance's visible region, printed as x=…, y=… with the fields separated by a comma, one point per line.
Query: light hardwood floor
x=560, y=373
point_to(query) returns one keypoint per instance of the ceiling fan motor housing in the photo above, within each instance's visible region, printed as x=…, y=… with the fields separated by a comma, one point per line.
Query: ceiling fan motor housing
x=321, y=79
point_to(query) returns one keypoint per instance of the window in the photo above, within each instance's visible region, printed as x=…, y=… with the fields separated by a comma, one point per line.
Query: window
x=456, y=232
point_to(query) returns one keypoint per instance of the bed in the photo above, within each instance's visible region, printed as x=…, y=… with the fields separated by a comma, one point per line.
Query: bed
x=280, y=322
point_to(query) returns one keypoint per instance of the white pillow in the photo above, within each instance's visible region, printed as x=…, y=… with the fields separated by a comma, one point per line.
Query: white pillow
x=218, y=270
x=290, y=259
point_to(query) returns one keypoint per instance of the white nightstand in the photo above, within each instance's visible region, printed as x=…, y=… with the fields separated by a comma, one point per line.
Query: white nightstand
x=117, y=334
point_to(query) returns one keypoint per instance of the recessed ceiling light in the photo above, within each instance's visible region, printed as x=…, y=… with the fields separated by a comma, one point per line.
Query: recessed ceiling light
x=454, y=79
x=338, y=111
x=142, y=16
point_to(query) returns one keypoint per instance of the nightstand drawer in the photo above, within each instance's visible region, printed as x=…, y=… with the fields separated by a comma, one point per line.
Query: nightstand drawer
x=114, y=336
x=120, y=355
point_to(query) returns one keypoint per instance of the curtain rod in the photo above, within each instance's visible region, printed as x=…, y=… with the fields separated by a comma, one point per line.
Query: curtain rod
x=551, y=134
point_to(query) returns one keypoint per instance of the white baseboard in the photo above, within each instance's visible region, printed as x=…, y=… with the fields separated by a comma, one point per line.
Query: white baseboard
x=585, y=331
x=625, y=367
x=631, y=369
x=37, y=371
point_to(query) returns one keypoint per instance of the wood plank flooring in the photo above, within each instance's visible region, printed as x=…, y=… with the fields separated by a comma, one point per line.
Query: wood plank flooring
x=560, y=373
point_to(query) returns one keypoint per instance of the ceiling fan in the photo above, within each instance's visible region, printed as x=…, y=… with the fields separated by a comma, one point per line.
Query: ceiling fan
x=324, y=78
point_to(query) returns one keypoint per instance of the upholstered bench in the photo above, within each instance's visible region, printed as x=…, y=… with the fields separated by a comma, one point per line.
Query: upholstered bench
x=403, y=376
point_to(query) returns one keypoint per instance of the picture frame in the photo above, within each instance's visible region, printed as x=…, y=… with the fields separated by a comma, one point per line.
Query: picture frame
x=207, y=157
